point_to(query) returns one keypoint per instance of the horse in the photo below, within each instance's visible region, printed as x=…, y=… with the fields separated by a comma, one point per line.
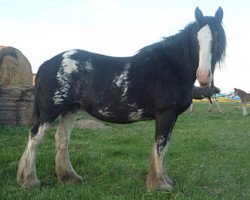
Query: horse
x=154, y=84
x=206, y=92
x=244, y=98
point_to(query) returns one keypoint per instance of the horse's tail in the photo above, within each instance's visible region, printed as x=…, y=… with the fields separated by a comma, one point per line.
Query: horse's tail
x=36, y=110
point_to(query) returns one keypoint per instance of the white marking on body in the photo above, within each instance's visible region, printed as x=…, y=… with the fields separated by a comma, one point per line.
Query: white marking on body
x=88, y=66
x=68, y=67
x=134, y=106
x=205, y=39
x=136, y=115
x=122, y=82
x=105, y=112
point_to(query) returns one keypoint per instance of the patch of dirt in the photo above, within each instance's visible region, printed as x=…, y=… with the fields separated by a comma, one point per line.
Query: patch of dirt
x=90, y=124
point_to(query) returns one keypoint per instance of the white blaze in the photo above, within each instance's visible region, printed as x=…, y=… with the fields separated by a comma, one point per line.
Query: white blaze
x=205, y=39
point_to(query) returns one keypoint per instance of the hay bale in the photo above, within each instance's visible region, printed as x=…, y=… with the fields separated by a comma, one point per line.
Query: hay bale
x=16, y=105
x=15, y=69
x=16, y=90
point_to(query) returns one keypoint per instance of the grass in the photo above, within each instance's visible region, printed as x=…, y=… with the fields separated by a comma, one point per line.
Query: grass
x=208, y=158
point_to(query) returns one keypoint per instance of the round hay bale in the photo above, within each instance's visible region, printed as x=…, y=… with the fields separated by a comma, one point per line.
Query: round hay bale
x=16, y=105
x=15, y=69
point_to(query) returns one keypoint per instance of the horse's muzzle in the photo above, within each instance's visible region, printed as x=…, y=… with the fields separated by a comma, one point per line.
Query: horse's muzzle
x=204, y=77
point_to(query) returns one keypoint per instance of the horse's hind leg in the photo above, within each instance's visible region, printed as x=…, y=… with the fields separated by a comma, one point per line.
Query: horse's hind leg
x=26, y=173
x=64, y=169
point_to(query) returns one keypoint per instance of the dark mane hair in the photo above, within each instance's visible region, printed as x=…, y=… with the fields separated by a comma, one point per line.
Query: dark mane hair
x=178, y=49
x=218, y=48
x=176, y=46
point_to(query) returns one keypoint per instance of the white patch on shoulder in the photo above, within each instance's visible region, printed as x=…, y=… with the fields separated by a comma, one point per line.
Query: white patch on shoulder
x=205, y=39
x=122, y=82
x=68, y=66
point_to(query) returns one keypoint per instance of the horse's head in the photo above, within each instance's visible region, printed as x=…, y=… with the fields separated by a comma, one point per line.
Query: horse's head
x=212, y=44
x=236, y=91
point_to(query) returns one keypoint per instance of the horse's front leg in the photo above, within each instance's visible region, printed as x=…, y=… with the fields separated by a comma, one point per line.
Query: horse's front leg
x=157, y=176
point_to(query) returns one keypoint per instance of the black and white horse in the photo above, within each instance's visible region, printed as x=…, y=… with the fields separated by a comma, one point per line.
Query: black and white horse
x=156, y=83
x=206, y=92
x=244, y=98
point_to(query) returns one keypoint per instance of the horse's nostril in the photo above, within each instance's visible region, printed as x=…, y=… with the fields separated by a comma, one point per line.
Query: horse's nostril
x=203, y=85
x=209, y=73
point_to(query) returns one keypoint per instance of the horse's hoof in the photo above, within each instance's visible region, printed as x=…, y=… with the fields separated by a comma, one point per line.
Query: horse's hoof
x=169, y=181
x=31, y=184
x=160, y=185
x=166, y=186
x=69, y=178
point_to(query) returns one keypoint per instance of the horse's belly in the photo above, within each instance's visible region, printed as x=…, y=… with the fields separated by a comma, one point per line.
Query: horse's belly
x=120, y=114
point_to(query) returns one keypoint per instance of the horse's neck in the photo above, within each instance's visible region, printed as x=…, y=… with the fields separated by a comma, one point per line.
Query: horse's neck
x=241, y=92
x=244, y=96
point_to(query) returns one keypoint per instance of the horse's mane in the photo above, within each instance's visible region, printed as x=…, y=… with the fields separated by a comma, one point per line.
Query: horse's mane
x=175, y=47
x=219, y=48
x=178, y=46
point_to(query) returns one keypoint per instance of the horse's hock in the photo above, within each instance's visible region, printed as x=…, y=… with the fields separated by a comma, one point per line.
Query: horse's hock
x=16, y=89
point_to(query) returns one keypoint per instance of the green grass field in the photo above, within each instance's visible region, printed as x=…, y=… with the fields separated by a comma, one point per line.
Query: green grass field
x=208, y=158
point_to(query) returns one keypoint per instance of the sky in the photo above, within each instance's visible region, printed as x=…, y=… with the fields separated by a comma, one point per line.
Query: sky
x=41, y=29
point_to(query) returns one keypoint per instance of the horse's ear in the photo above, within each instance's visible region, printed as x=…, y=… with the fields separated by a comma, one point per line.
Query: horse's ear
x=198, y=15
x=219, y=15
